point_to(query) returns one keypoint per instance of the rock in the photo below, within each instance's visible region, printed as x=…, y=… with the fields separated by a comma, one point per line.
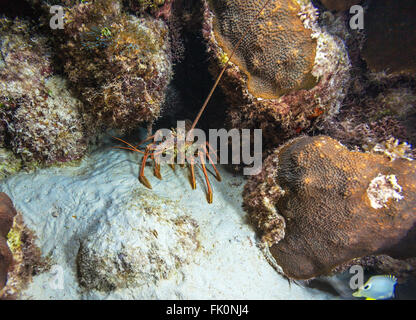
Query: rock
x=273, y=90
x=380, y=103
x=120, y=64
x=319, y=205
x=7, y=213
x=366, y=121
x=39, y=117
x=137, y=248
x=26, y=256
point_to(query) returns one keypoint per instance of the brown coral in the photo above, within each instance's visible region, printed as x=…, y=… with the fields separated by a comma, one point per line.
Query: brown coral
x=7, y=212
x=278, y=55
x=300, y=108
x=319, y=205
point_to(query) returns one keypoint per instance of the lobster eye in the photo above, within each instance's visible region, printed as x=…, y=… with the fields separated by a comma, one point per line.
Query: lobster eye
x=367, y=287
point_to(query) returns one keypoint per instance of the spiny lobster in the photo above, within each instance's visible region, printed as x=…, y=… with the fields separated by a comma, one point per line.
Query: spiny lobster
x=169, y=146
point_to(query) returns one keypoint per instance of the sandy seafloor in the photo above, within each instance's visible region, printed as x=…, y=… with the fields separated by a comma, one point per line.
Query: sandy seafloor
x=64, y=206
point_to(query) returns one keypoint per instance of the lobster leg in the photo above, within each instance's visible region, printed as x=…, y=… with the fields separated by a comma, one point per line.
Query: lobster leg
x=218, y=177
x=145, y=140
x=142, y=178
x=204, y=169
x=192, y=168
x=156, y=170
x=131, y=147
x=172, y=162
x=212, y=150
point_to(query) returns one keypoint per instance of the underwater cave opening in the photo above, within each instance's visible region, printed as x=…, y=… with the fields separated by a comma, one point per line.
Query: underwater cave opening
x=192, y=80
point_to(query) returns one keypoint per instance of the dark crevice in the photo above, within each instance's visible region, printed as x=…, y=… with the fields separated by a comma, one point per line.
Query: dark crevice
x=192, y=81
x=19, y=8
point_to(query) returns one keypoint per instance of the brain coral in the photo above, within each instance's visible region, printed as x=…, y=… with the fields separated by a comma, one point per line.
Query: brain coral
x=319, y=205
x=119, y=63
x=278, y=55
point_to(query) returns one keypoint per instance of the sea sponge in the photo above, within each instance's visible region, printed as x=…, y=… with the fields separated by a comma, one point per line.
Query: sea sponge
x=277, y=56
x=118, y=63
x=318, y=205
x=7, y=213
x=39, y=117
x=300, y=108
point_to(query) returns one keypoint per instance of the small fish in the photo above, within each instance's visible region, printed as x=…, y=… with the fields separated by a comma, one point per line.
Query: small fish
x=377, y=288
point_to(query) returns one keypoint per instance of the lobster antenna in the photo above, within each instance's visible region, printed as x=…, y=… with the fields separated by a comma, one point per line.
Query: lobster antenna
x=225, y=66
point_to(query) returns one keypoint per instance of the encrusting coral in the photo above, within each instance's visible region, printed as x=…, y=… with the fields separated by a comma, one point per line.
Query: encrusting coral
x=7, y=213
x=284, y=101
x=119, y=63
x=39, y=117
x=318, y=205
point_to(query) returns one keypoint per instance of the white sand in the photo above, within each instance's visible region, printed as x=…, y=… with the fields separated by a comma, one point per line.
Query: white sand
x=101, y=204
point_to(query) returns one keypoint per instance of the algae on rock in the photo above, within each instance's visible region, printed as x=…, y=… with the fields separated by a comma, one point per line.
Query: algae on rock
x=159, y=240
